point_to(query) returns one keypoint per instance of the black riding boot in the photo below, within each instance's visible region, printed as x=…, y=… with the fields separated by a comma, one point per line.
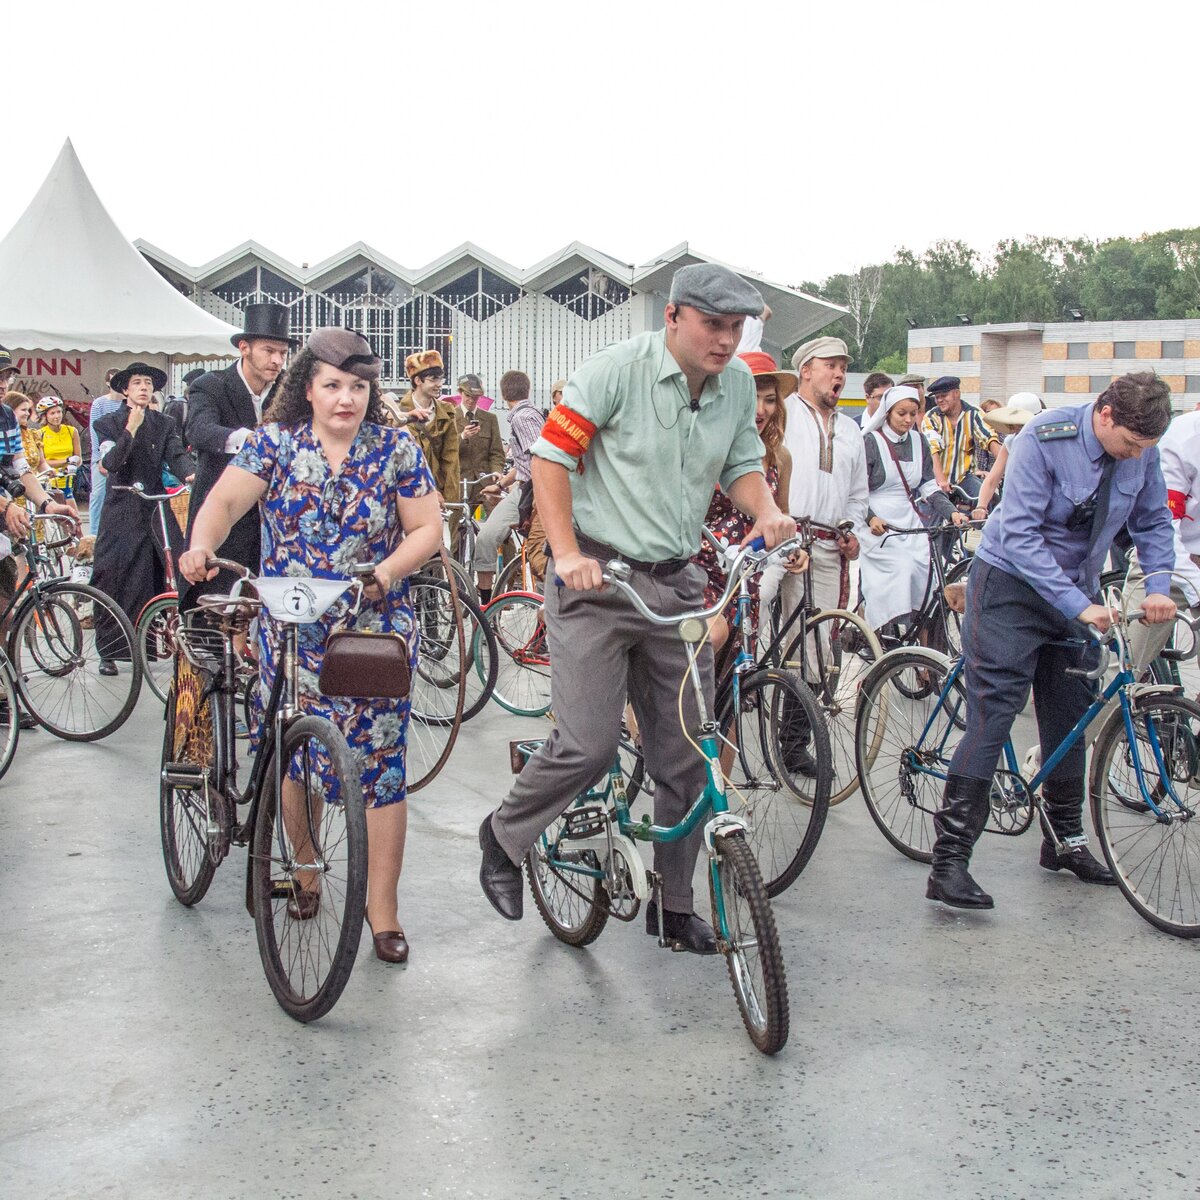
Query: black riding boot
x=1063, y=807
x=959, y=823
x=794, y=737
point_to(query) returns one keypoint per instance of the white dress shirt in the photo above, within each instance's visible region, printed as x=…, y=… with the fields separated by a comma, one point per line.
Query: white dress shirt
x=233, y=443
x=829, y=471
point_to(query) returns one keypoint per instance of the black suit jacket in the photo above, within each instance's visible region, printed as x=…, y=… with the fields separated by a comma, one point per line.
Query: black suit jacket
x=219, y=403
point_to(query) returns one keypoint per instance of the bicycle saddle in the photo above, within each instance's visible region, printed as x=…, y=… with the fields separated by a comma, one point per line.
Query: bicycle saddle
x=300, y=601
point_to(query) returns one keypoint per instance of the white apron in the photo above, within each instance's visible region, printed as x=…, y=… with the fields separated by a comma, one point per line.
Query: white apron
x=894, y=573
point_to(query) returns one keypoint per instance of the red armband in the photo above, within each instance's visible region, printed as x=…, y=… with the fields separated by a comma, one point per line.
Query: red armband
x=568, y=431
x=1177, y=503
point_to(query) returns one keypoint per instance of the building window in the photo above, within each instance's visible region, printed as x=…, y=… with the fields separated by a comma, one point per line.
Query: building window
x=937, y=353
x=1172, y=349
x=239, y=290
x=1077, y=349
x=966, y=354
x=1192, y=384
x=479, y=294
x=1124, y=350
x=1054, y=383
x=590, y=294
x=1097, y=383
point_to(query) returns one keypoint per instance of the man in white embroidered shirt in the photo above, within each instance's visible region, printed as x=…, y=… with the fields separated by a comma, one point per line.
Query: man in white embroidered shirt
x=829, y=485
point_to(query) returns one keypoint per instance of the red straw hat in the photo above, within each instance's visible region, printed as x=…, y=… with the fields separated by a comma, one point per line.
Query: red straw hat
x=763, y=364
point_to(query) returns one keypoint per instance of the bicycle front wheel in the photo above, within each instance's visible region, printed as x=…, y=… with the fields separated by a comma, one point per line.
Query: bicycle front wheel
x=155, y=631
x=905, y=735
x=1155, y=856
x=308, y=869
x=518, y=623
x=839, y=652
x=746, y=935
x=60, y=637
x=10, y=724
x=771, y=737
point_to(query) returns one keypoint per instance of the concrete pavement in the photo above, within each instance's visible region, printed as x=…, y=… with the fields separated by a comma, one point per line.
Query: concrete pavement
x=1040, y=1050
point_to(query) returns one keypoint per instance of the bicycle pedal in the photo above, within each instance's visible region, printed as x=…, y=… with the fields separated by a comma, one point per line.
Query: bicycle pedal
x=282, y=889
x=585, y=822
x=184, y=775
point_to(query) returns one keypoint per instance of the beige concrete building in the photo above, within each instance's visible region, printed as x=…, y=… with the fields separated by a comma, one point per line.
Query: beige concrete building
x=1063, y=362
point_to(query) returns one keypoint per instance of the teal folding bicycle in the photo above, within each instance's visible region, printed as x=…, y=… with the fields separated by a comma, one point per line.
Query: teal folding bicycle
x=587, y=866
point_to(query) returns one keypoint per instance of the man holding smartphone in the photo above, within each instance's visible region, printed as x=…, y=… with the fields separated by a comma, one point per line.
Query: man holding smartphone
x=480, y=448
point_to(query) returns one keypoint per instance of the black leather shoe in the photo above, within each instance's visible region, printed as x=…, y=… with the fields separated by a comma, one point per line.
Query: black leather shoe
x=107, y=666
x=799, y=761
x=951, y=883
x=1079, y=860
x=682, y=931
x=498, y=876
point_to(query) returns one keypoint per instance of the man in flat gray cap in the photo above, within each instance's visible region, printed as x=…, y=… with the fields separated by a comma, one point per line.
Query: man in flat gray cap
x=625, y=468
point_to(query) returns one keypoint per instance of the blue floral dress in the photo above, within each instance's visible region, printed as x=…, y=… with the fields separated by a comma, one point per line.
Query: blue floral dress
x=317, y=523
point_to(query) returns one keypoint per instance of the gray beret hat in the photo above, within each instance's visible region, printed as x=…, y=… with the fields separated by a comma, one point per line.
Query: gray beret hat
x=819, y=347
x=346, y=350
x=715, y=289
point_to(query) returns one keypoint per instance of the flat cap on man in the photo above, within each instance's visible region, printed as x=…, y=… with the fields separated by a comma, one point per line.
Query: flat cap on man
x=346, y=350
x=943, y=383
x=6, y=360
x=820, y=347
x=910, y=380
x=472, y=381
x=714, y=289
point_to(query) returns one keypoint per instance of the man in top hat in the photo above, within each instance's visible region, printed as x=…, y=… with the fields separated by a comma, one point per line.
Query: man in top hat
x=625, y=468
x=223, y=406
x=957, y=435
x=135, y=443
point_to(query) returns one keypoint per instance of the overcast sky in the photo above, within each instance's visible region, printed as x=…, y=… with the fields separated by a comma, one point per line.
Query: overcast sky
x=795, y=140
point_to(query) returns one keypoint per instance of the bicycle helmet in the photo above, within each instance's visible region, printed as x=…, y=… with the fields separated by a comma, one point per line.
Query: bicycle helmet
x=46, y=403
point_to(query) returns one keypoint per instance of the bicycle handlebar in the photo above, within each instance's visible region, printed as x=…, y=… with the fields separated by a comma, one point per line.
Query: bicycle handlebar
x=931, y=530
x=752, y=556
x=140, y=492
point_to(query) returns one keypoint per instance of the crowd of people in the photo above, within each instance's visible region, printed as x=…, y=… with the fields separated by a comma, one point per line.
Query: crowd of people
x=301, y=464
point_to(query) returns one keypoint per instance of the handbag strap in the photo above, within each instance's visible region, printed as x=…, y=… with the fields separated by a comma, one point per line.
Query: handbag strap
x=899, y=469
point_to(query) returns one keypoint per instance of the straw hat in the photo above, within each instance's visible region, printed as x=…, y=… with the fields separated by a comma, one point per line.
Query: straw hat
x=1021, y=408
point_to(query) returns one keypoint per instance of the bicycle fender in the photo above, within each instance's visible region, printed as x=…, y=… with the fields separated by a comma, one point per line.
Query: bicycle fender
x=721, y=824
x=626, y=848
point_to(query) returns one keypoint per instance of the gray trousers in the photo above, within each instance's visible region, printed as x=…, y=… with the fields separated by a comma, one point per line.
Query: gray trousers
x=496, y=528
x=603, y=652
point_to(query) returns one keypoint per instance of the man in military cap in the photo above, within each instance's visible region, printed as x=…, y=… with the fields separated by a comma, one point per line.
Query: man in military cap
x=1074, y=477
x=222, y=408
x=625, y=468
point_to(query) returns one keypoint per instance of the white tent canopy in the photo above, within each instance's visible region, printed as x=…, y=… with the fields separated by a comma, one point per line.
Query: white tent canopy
x=69, y=281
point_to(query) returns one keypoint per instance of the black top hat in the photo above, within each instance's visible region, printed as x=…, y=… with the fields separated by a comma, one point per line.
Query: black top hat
x=120, y=381
x=266, y=321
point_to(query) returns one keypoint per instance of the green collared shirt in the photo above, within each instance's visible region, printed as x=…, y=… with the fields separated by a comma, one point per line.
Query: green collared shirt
x=652, y=465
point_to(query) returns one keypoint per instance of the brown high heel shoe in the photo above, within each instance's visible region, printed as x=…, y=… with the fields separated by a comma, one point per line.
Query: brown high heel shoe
x=391, y=946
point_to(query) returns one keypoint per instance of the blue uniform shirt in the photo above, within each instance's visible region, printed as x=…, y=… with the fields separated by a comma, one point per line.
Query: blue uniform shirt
x=1028, y=536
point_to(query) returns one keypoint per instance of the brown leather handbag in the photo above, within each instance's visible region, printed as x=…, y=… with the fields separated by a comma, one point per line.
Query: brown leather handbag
x=366, y=665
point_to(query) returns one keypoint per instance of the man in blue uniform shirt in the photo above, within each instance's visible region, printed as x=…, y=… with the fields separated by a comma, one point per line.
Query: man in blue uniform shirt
x=1075, y=476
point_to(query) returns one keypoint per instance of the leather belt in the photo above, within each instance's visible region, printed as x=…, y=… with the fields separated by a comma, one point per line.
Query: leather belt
x=823, y=535
x=600, y=550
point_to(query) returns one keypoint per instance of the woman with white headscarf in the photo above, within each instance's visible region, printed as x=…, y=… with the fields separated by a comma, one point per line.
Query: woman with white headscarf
x=895, y=572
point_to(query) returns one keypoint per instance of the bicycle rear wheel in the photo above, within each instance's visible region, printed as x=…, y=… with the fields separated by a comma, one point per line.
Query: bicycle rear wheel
x=518, y=624
x=440, y=681
x=56, y=652
x=1155, y=857
x=308, y=870
x=785, y=809
x=155, y=632
x=905, y=736
x=566, y=887
x=746, y=935
x=193, y=819
x=841, y=648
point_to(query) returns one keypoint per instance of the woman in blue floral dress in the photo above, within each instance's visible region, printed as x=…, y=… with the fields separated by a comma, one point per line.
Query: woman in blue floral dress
x=337, y=488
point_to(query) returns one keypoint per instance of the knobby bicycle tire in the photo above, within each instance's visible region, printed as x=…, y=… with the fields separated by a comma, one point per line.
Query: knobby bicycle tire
x=309, y=870
x=1156, y=862
x=55, y=658
x=761, y=740
x=747, y=936
x=573, y=905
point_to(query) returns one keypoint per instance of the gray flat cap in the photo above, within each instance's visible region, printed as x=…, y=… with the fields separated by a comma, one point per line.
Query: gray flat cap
x=820, y=347
x=715, y=289
x=910, y=380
